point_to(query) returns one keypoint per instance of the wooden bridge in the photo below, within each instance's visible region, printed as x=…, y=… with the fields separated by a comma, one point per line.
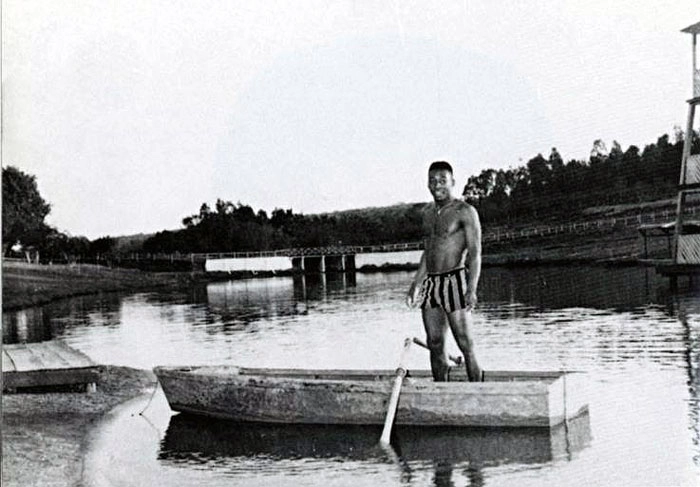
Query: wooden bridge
x=315, y=251
x=314, y=259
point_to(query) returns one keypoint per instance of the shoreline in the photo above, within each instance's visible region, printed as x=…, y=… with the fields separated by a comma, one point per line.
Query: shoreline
x=46, y=435
x=29, y=285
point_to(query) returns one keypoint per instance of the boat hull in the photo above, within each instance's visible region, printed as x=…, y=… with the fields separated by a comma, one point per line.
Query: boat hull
x=361, y=397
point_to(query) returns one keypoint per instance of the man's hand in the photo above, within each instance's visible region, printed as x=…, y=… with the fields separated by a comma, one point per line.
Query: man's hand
x=412, y=295
x=471, y=300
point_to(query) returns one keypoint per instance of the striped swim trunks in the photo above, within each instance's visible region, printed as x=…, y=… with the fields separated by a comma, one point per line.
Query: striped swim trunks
x=447, y=290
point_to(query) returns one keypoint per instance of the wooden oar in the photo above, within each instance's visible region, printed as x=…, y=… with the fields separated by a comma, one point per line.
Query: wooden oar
x=394, y=400
x=456, y=360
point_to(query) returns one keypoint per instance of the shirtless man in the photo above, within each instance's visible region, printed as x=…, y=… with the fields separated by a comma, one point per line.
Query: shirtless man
x=446, y=289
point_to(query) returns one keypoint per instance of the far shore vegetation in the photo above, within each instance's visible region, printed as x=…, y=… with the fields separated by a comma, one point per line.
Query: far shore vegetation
x=545, y=190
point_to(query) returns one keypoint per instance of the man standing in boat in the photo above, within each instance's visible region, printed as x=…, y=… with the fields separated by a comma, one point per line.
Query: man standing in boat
x=443, y=286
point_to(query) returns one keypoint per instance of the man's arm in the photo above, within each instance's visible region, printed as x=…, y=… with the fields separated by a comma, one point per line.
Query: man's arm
x=472, y=229
x=414, y=290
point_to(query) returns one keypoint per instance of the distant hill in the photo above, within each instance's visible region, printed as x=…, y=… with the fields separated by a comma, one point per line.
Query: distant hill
x=372, y=210
x=131, y=243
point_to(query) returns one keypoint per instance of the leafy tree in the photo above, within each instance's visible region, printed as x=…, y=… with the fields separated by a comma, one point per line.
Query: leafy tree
x=556, y=163
x=59, y=247
x=102, y=245
x=23, y=209
x=540, y=174
x=599, y=152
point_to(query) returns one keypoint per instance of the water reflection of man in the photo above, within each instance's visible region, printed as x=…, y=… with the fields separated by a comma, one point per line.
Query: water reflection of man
x=446, y=289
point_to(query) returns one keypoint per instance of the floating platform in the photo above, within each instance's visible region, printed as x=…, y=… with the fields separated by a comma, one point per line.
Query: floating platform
x=669, y=268
x=46, y=364
x=672, y=269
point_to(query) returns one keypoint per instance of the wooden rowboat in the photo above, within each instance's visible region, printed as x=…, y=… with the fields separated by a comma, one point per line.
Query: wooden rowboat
x=303, y=396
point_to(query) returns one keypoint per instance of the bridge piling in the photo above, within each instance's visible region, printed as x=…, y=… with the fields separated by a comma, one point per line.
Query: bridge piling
x=335, y=263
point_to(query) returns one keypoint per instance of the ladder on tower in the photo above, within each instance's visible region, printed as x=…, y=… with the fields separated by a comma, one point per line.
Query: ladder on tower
x=686, y=235
x=686, y=248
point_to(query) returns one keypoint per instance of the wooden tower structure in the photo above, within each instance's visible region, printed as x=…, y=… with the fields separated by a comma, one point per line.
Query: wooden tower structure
x=686, y=245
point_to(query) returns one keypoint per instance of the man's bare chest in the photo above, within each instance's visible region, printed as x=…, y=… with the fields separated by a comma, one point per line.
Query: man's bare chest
x=439, y=226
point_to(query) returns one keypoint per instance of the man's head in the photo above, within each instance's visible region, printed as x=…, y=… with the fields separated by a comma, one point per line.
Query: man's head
x=441, y=180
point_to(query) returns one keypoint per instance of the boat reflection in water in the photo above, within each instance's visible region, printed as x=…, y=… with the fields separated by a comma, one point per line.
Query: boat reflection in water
x=219, y=444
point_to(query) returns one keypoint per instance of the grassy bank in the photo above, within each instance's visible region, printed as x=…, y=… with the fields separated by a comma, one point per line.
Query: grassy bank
x=610, y=246
x=26, y=285
x=617, y=246
x=45, y=436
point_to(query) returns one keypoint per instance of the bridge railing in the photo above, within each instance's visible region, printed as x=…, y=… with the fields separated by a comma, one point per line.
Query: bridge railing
x=240, y=255
x=576, y=227
x=310, y=251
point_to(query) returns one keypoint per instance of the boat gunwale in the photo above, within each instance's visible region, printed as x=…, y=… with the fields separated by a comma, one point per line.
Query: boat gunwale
x=549, y=376
x=363, y=383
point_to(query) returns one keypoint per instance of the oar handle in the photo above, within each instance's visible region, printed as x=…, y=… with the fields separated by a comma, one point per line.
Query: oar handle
x=456, y=360
x=404, y=353
x=394, y=399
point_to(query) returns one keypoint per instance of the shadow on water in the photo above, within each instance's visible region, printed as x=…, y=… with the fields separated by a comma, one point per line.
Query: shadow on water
x=246, y=301
x=685, y=306
x=47, y=322
x=231, y=304
x=598, y=287
x=102, y=309
x=217, y=444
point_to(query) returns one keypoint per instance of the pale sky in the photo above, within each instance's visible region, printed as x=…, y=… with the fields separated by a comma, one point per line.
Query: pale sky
x=131, y=114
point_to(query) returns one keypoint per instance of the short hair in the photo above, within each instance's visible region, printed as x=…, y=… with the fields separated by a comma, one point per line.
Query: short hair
x=441, y=166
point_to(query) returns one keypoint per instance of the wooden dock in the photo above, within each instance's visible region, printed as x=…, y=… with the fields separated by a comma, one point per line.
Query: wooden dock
x=667, y=267
x=43, y=364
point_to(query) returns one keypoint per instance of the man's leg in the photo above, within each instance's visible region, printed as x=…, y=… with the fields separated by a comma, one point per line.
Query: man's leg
x=461, y=323
x=435, y=328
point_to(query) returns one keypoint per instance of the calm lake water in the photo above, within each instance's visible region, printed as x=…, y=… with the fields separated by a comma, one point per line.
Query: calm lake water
x=638, y=343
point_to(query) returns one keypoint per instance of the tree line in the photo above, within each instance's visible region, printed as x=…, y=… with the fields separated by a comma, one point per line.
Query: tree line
x=550, y=189
x=237, y=227
x=543, y=189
